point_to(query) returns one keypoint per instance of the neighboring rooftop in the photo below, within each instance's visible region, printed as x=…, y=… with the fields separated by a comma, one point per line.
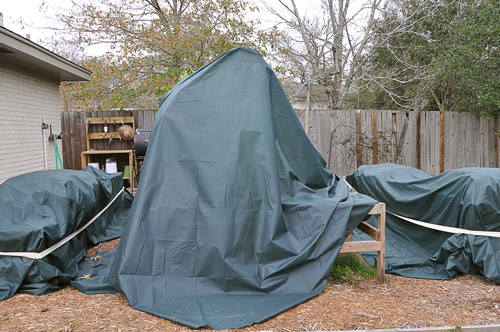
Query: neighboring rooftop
x=22, y=51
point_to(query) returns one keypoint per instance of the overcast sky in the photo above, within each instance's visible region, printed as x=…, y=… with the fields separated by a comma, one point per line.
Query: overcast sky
x=24, y=16
x=29, y=12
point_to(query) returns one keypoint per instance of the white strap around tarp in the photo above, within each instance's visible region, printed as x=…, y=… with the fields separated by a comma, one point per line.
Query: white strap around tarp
x=40, y=255
x=445, y=229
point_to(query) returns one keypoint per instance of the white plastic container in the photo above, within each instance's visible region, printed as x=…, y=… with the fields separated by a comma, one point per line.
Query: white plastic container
x=95, y=165
x=111, y=167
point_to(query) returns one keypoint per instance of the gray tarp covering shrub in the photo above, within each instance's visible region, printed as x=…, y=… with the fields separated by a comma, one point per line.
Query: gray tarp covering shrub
x=467, y=198
x=236, y=218
x=39, y=209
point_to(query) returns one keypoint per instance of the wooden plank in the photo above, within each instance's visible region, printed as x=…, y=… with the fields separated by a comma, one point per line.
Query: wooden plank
x=113, y=134
x=381, y=238
x=83, y=160
x=451, y=148
x=82, y=146
x=360, y=246
x=110, y=120
x=105, y=152
x=409, y=146
x=462, y=139
x=374, y=137
x=368, y=229
x=495, y=142
x=99, y=145
x=79, y=134
x=404, y=126
x=376, y=209
x=131, y=169
x=430, y=143
x=359, y=152
x=142, y=118
x=476, y=141
x=394, y=142
x=73, y=140
x=483, y=125
x=66, y=148
x=350, y=117
x=153, y=117
x=423, y=137
x=325, y=134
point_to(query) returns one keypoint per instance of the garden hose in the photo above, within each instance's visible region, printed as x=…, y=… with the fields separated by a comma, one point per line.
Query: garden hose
x=58, y=156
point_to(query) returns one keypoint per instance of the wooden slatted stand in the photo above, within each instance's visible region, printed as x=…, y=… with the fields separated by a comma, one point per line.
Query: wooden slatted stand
x=95, y=132
x=110, y=121
x=378, y=243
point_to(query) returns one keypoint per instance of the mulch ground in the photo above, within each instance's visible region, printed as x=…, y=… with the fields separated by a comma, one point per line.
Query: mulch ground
x=399, y=303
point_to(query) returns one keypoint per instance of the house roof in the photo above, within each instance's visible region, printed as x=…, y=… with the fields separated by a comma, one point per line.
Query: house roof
x=19, y=50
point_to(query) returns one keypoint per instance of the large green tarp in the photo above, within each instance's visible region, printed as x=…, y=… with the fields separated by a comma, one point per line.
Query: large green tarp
x=467, y=198
x=39, y=209
x=236, y=217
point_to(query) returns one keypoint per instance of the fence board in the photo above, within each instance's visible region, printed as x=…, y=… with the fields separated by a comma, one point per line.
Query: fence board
x=469, y=140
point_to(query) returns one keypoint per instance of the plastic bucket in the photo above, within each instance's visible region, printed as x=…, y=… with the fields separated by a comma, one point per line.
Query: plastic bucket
x=111, y=167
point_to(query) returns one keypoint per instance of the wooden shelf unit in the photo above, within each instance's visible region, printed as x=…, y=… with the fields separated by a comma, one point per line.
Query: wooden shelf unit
x=94, y=131
x=109, y=121
x=87, y=154
x=378, y=236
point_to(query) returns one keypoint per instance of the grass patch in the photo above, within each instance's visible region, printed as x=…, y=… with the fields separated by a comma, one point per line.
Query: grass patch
x=351, y=268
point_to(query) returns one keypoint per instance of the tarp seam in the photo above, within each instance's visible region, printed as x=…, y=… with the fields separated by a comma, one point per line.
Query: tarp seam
x=40, y=255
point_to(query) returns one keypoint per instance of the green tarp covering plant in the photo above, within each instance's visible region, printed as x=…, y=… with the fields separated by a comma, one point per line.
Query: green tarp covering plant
x=39, y=209
x=236, y=217
x=467, y=198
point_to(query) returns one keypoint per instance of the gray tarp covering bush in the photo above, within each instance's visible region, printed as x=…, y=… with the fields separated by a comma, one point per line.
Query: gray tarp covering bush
x=236, y=218
x=467, y=198
x=39, y=209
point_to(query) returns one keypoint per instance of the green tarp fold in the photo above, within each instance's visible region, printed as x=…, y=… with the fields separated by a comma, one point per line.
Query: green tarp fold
x=467, y=198
x=39, y=209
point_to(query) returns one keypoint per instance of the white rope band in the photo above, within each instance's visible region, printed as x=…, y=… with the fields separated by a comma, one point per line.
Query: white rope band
x=446, y=229
x=40, y=255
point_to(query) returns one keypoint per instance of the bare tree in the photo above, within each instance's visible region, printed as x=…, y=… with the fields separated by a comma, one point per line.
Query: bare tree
x=327, y=48
x=397, y=66
x=332, y=47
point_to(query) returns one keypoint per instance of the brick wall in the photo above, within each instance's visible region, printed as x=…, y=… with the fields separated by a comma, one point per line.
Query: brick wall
x=26, y=98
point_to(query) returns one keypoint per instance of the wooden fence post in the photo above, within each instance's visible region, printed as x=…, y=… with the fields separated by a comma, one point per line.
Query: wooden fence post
x=419, y=141
x=308, y=107
x=374, y=138
x=66, y=147
x=495, y=141
x=359, y=152
x=394, y=140
x=441, y=140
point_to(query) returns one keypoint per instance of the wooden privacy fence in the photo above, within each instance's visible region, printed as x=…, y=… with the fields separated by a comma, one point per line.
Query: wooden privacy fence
x=431, y=141
x=74, y=136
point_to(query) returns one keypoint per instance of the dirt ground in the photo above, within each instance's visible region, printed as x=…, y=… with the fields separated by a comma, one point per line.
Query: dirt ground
x=399, y=303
